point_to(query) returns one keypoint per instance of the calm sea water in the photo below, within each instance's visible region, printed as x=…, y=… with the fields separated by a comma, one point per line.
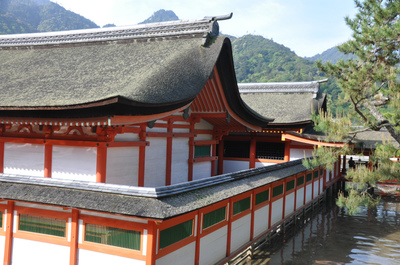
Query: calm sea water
x=333, y=237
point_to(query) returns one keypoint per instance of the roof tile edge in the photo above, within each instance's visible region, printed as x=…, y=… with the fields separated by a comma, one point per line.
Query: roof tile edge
x=207, y=26
x=145, y=192
x=281, y=87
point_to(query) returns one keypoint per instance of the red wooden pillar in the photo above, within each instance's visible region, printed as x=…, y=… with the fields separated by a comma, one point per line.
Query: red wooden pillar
x=101, y=164
x=198, y=230
x=213, y=163
x=221, y=157
x=9, y=233
x=229, y=236
x=168, y=159
x=252, y=216
x=191, y=153
x=48, y=158
x=142, y=157
x=73, y=254
x=252, y=153
x=151, y=243
x=1, y=157
x=287, y=151
x=270, y=207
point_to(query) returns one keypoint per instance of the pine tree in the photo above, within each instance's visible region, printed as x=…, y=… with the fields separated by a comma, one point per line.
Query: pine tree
x=370, y=83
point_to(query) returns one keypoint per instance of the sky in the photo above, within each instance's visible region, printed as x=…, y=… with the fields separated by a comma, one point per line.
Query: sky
x=307, y=27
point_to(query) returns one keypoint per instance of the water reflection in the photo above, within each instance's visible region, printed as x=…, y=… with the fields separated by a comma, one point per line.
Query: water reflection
x=333, y=237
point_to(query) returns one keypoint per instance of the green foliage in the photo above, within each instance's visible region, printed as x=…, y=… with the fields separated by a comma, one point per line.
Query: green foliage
x=261, y=60
x=369, y=82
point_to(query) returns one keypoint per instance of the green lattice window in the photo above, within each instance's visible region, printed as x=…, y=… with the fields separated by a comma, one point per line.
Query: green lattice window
x=321, y=172
x=262, y=197
x=42, y=225
x=176, y=233
x=1, y=219
x=309, y=177
x=316, y=174
x=241, y=206
x=289, y=185
x=300, y=181
x=278, y=190
x=202, y=150
x=112, y=236
x=214, y=217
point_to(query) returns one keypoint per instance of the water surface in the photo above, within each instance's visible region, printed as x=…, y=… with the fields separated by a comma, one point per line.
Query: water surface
x=333, y=237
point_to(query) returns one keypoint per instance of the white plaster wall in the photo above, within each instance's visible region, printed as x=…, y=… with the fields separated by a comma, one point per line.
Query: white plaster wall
x=261, y=220
x=289, y=204
x=34, y=252
x=155, y=162
x=213, y=246
x=203, y=125
x=233, y=166
x=201, y=170
x=2, y=244
x=179, y=163
x=277, y=211
x=328, y=172
x=127, y=137
x=321, y=186
x=308, y=193
x=264, y=164
x=122, y=165
x=296, y=153
x=316, y=188
x=182, y=256
x=240, y=232
x=300, y=198
x=24, y=159
x=87, y=257
x=76, y=163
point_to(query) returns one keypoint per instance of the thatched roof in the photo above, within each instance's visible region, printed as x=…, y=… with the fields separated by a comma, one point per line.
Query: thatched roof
x=286, y=102
x=136, y=70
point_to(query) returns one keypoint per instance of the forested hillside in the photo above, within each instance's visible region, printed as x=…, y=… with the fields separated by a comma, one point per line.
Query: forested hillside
x=261, y=60
x=24, y=16
x=331, y=55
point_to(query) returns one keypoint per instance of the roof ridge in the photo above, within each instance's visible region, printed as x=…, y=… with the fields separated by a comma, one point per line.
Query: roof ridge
x=207, y=26
x=281, y=87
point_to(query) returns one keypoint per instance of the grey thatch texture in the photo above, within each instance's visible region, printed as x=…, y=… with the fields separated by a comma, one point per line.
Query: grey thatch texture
x=150, y=72
x=369, y=139
x=285, y=108
x=285, y=102
x=18, y=189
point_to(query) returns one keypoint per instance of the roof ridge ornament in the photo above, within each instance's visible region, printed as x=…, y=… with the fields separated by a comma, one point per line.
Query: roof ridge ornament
x=214, y=28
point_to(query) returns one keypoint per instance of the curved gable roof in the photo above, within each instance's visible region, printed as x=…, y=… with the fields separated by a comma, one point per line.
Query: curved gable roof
x=287, y=102
x=137, y=70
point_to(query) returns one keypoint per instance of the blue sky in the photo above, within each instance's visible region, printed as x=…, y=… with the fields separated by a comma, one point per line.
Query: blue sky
x=307, y=27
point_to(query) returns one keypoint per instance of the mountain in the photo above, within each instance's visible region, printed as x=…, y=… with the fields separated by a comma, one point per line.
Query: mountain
x=161, y=16
x=333, y=55
x=258, y=59
x=24, y=16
